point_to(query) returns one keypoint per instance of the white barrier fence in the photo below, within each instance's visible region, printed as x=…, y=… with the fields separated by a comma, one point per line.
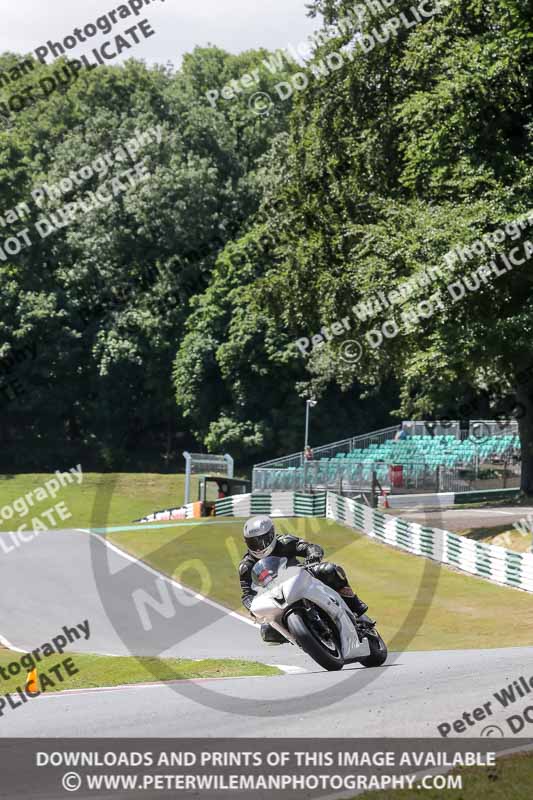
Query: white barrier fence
x=496, y=564
x=275, y=504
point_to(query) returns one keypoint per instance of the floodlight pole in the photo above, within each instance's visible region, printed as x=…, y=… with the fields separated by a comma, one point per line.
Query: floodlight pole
x=229, y=461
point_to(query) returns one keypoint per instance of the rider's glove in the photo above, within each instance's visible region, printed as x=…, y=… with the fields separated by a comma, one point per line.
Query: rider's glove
x=313, y=560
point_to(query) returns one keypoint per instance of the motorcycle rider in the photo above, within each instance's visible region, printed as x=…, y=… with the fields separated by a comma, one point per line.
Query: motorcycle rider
x=261, y=539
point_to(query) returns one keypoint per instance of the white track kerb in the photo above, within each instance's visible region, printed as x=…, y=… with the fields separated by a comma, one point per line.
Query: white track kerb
x=496, y=564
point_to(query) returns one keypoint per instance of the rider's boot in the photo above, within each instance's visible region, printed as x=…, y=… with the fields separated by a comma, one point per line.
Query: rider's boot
x=353, y=602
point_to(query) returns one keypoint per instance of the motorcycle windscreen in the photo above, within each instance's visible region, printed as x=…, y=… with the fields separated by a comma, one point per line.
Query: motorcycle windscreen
x=266, y=570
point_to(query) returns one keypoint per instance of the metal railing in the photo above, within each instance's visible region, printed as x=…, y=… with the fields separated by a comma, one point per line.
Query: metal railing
x=412, y=428
x=469, y=479
x=426, y=428
x=285, y=462
x=363, y=441
x=347, y=477
x=330, y=450
x=314, y=475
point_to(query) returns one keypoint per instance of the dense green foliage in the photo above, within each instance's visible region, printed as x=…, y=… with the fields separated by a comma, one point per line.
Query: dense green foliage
x=102, y=302
x=257, y=230
x=421, y=145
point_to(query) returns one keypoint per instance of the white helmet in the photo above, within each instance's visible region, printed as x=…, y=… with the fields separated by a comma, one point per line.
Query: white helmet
x=260, y=536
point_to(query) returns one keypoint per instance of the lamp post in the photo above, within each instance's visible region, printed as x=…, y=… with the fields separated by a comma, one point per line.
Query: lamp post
x=308, y=404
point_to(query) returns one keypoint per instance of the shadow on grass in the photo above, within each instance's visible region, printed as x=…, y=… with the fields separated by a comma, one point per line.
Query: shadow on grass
x=480, y=534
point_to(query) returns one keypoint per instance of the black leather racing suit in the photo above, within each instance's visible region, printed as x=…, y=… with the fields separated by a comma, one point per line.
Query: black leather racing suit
x=292, y=548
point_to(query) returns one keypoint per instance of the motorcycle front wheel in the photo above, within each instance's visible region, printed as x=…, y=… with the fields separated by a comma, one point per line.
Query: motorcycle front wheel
x=378, y=650
x=324, y=649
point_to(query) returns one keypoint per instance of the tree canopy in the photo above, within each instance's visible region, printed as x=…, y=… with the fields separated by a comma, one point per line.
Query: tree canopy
x=105, y=300
x=171, y=316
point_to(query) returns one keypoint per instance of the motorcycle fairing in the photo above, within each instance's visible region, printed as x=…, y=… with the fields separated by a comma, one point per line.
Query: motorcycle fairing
x=294, y=585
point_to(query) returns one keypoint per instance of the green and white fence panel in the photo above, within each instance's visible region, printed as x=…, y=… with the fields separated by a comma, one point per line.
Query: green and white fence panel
x=496, y=564
x=261, y=504
x=224, y=508
x=282, y=504
x=275, y=504
x=239, y=505
x=309, y=505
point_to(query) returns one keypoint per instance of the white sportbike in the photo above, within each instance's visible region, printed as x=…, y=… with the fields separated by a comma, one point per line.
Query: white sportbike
x=314, y=617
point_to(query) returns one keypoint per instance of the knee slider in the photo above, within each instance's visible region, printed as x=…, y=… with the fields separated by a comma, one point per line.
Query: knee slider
x=265, y=632
x=341, y=573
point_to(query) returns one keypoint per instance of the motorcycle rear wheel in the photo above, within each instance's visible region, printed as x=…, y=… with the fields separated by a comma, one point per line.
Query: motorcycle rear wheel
x=311, y=644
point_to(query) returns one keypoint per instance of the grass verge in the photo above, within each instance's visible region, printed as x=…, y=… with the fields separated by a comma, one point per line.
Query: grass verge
x=123, y=497
x=95, y=671
x=419, y=604
x=510, y=779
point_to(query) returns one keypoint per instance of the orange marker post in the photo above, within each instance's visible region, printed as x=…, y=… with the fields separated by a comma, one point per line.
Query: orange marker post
x=32, y=686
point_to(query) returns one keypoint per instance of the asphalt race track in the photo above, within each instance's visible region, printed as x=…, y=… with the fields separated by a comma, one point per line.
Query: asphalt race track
x=51, y=583
x=58, y=580
x=411, y=697
x=458, y=519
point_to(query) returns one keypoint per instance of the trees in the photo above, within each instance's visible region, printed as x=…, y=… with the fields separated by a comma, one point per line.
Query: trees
x=421, y=145
x=106, y=297
x=255, y=230
x=237, y=382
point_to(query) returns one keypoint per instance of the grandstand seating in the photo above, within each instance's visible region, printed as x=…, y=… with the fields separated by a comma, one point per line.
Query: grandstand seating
x=437, y=450
x=416, y=455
